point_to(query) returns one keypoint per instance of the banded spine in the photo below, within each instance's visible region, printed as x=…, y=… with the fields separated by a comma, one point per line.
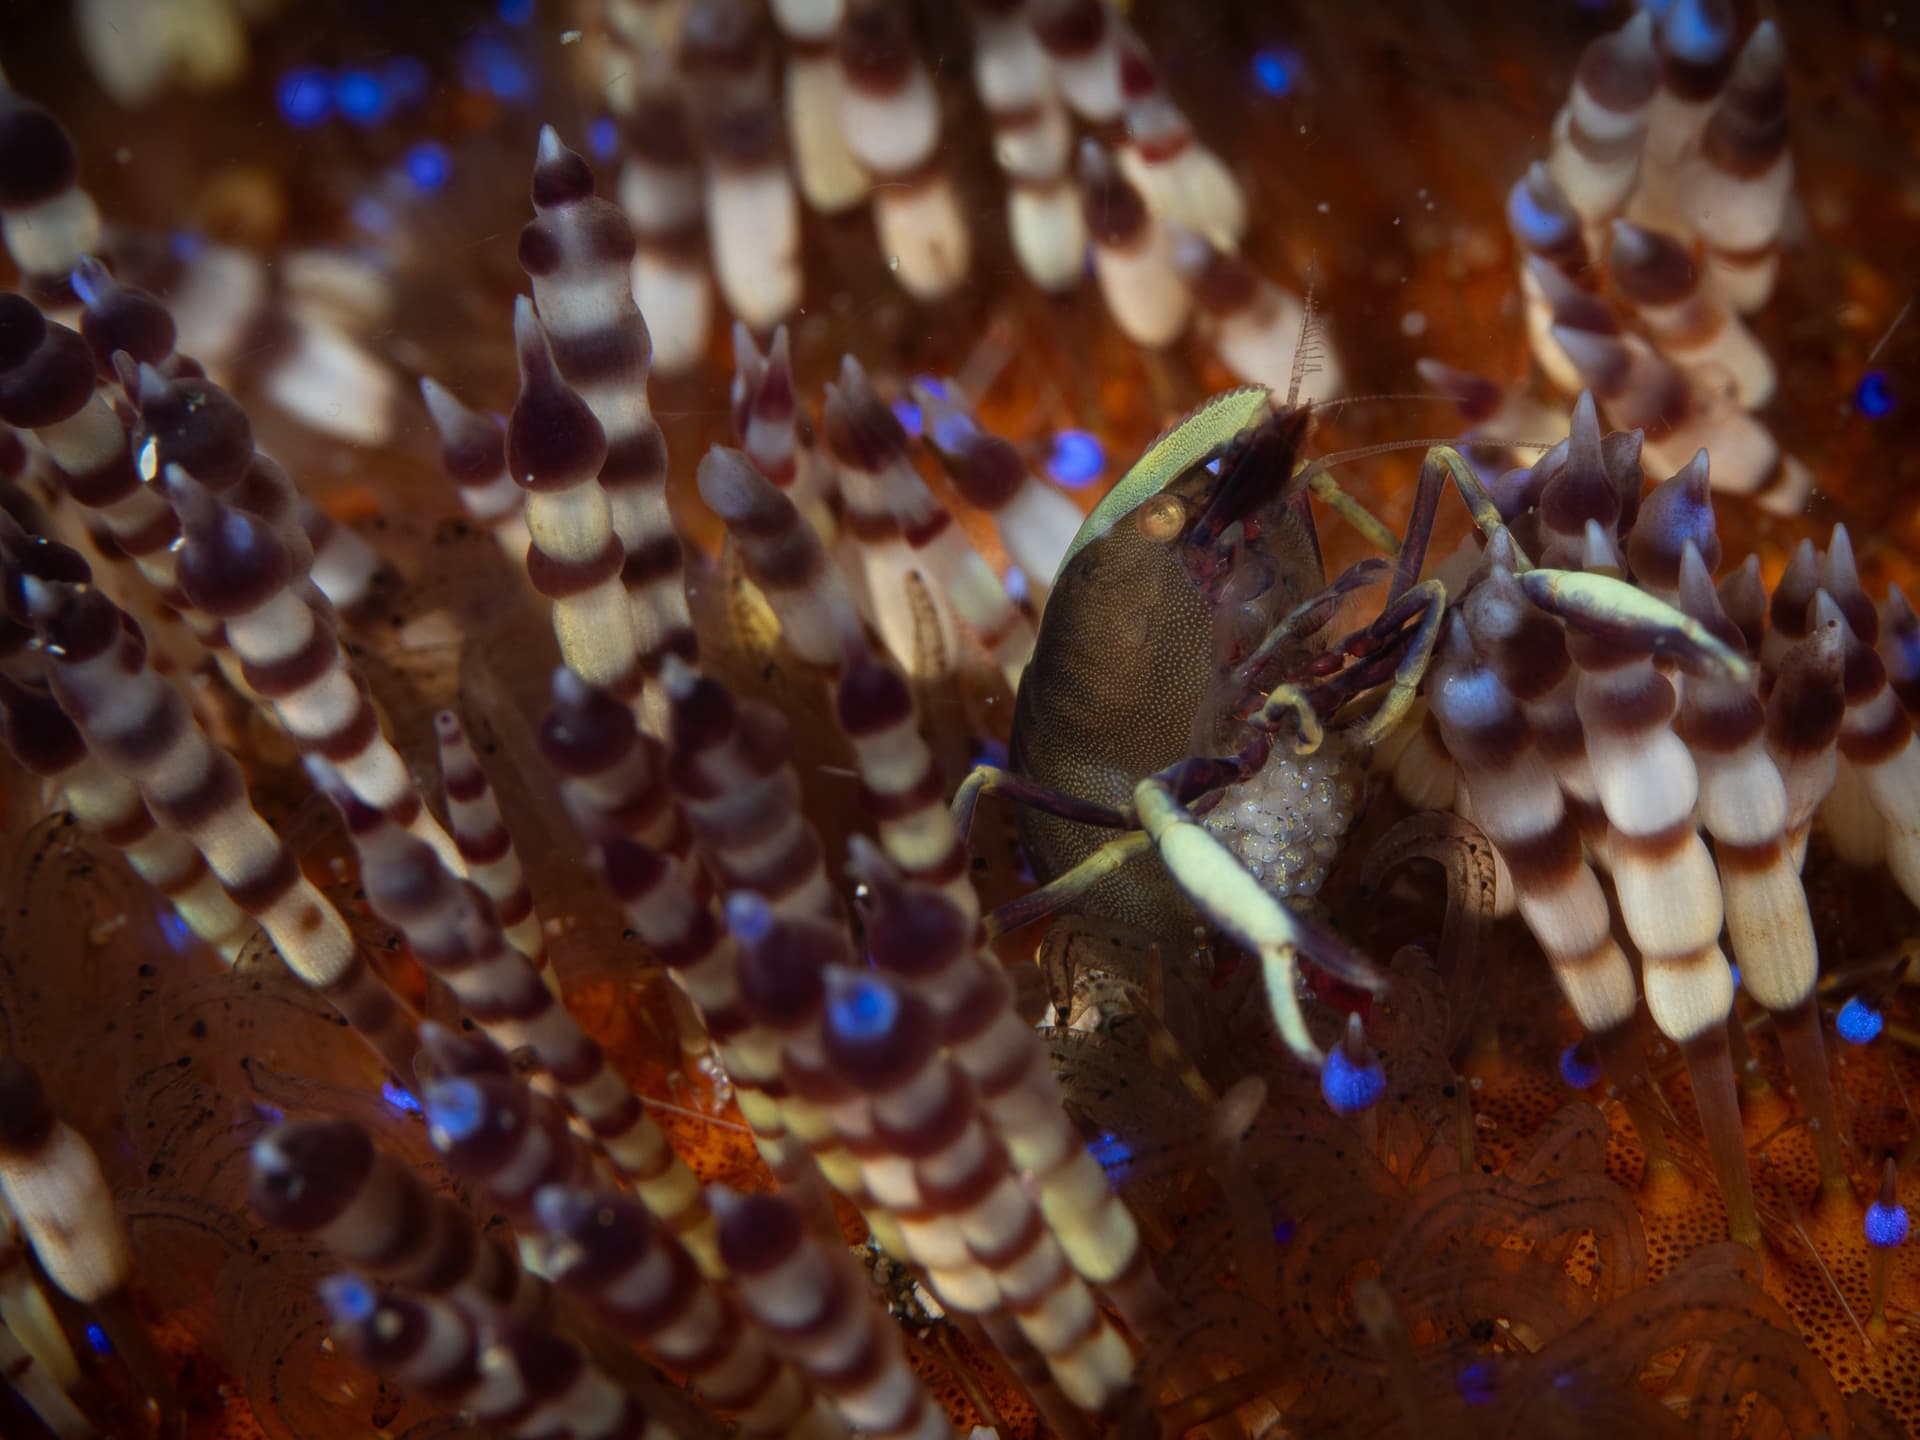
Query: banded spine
x=473, y=815
x=1132, y=254
x=139, y=726
x=327, y=1179
x=578, y=251
x=647, y=1287
x=473, y=455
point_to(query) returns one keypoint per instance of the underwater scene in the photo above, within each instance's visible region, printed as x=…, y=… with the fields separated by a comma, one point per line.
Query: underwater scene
x=959, y=718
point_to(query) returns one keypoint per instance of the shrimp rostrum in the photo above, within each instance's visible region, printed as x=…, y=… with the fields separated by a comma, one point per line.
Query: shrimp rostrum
x=1185, y=697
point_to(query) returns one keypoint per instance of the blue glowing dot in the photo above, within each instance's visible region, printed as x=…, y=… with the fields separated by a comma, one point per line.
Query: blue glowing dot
x=399, y=1099
x=1018, y=590
x=1475, y=1383
x=1858, y=1022
x=864, y=1009
x=1736, y=975
x=1351, y=1088
x=350, y=1298
x=305, y=97
x=1278, y=71
x=456, y=1108
x=97, y=1338
x=1077, y=459
x=1284, y=1229
x=361, y=97
x=1886, y=1226
x=406, y=79
x=1115, y=1156
x=272, y=1114
x=429, y=165
x=179, y=937
x=1874, y=397
x=1578, y=1067
x=490, y=65
x=603, y=138
x=749, y=917
x=514, y=12
x=186, y=245
x=908, y=414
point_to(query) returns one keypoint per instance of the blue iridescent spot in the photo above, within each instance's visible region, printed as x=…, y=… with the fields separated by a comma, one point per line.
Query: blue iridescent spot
x=1475, y=1383
x=1858, y=1022
x=1115, y=1156
x=1077, y=459
x=488, y=64
x=361, y=97
x=1284, y=1229
x=455, y=1108
x=1578, y=1067
x=514, y=12
x=1278, y=71
x=603, y=138
x=1874, y=395
x=429, y=165
x=179, y=937
x=350, y=1298
x=864, y=1009
x=1886, y=1226
x=400, y=1099
x=989, y=751
x=749, y=917
x=305, y=97
x=97, y=1338
x=186, y=245
x=1351, y=1088
x=1736, y=975
x=908, y=414
x=1018, y=590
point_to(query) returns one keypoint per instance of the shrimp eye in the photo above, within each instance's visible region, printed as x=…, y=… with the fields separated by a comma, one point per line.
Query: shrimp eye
x=1161, y=519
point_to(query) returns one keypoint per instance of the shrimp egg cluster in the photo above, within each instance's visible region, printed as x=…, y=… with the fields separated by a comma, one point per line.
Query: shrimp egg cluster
x=1285, y=823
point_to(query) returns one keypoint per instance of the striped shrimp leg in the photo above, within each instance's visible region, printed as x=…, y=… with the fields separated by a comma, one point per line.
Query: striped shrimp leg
x=783, y=556
x=233, y=567
x=492, y=1127
x=1518, y=804
x=473, y=815
x=1744, y=807
x=327, y=1179
x=885, y=1043
x=140, y=727
x=455, y=935
x=729, y=763
x=646, y=1286
x=555, y=448
x=44, y=741
x=524, y=1382
x=473, y=455
x=1669, y=894
x=813, y=1302
x=926, y=944
x=578, y=250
